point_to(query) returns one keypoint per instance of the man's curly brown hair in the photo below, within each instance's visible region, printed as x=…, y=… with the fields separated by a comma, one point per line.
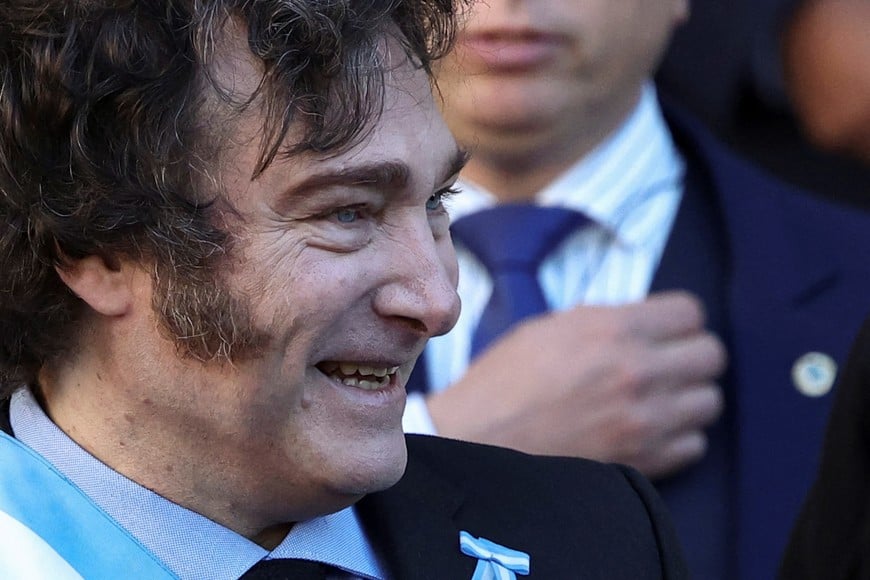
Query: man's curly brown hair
x=105, y=144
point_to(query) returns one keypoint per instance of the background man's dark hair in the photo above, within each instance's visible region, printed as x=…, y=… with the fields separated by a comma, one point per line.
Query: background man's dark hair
x=107, y=142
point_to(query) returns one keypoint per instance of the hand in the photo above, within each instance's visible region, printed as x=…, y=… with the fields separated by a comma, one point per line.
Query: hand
x=631, y=384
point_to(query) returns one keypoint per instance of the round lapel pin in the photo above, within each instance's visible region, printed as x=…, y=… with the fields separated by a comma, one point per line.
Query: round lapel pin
x=813, y=374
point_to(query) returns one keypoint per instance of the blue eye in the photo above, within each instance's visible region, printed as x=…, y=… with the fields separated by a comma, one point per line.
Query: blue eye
x=434, y=201
x=347, y=215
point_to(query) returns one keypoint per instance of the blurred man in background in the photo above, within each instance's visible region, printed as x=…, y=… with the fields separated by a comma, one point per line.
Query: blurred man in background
x=604, y=359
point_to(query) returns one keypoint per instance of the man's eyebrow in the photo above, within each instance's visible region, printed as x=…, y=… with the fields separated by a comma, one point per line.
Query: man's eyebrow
x=386, y=175
x=380, y=175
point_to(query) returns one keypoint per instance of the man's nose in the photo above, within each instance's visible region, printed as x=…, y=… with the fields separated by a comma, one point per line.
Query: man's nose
x=422, y=286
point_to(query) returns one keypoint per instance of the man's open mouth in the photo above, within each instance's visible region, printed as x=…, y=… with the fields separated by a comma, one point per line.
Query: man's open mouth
x=362, y=376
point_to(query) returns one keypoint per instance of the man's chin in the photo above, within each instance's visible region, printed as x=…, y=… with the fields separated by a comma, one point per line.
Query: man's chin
x=378, y=470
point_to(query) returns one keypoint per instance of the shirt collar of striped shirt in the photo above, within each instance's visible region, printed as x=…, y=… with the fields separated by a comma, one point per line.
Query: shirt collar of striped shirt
x=635, y=165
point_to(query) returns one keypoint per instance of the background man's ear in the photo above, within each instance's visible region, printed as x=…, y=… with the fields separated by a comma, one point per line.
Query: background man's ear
x=104, y=285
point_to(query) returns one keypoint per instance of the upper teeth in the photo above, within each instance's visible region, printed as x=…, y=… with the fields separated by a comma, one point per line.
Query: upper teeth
x=380, y=376
x=363, y=370
x=352, y=369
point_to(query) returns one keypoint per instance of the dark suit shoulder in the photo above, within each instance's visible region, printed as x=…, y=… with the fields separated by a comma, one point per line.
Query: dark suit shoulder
x=503, y=473
x=609, y=509
x=463, y=459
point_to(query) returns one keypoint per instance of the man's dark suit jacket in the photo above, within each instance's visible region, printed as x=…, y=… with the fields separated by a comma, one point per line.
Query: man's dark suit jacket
x=576, y=519
x=832, y=537
x=781, y=274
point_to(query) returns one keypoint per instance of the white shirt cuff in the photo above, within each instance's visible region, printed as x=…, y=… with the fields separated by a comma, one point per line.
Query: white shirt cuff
x=416, y=418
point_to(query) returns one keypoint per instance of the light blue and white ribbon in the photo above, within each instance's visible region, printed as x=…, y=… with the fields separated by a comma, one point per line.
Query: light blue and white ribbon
x=495, y=562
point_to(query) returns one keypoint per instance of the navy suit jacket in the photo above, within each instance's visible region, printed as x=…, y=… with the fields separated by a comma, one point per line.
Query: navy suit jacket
x=796, y=280
x=781, y=274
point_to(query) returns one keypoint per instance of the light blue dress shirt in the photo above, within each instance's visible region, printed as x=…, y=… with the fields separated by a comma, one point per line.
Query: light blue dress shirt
x=192, y=546
x=630, y=186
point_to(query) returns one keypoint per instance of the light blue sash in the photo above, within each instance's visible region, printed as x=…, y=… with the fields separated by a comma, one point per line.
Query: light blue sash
x=42, y=499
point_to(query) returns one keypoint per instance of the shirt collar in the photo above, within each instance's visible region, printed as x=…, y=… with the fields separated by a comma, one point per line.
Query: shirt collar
x=184, y=540
x=635, y=164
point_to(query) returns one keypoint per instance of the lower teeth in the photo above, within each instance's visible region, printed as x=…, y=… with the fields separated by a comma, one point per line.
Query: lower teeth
x=364, y=383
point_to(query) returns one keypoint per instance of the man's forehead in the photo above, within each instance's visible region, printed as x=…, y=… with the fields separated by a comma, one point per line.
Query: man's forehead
x=408, y=141
x=407, y=147
x=236, y=107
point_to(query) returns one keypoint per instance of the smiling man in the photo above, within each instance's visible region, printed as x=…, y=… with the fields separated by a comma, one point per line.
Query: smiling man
x=224, y=247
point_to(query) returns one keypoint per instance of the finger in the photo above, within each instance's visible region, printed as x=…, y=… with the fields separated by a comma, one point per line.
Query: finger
x=688, y=360
x=673, y=365
x=674, y=454
x=689, y=409
x=666, y=315
x=669, y=428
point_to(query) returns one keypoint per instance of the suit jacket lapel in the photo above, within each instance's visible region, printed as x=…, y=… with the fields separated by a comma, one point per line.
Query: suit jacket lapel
x=696, y=255
x=783, y=257
x=415, y=526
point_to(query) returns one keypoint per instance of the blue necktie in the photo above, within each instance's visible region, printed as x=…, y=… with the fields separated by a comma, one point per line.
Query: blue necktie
x=511, y=241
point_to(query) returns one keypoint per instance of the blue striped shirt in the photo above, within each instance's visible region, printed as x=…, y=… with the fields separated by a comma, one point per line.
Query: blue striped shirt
x=630, y=186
